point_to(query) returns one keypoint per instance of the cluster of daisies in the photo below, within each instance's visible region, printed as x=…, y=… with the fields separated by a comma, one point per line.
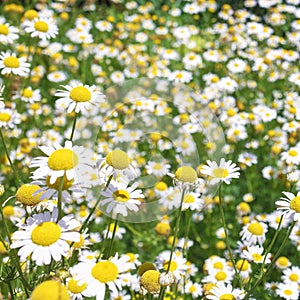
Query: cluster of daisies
x=113, y=132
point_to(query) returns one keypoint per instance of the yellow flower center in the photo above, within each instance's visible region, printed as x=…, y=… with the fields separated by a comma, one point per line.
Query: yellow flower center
x=30, y=14
x=294, y=277
x=8, y=211
x=50, y=290
x=292, y=152
x=118, y=159
x=242, y=265
x=227, y=297
x=150, y=281
x=62, y=159
x=186, y=174
x=163, y=228
x=257, y=257
x=283, y=261
x=105, y=271
x=80, y=94
x=173, y=265
x=220, y=173
x=4, y=29
x=46, y=234
x=5, y=117
x=295, y=204
x=256, y=229
x=11, y=62
x=66, y=184
x=3, y=248
x=189, y=199
x=220, y=276
x=74, y=287
x=41, y=26
x=192, y=289
x=78, y=245
x=25, y=194
x=121, y=196
x=161, y=186
x=157, y=166
x=131, y=256
x=288, y=292
x=27, y=93
x=218, y=265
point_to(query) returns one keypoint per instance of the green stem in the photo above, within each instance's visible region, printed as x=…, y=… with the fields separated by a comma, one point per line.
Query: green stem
x=187, y=231
x=113, y=236
x=262, y=274
x=12, y=254
x=226, y=232
x=85, y=223
x=59, y=198
x=133, y=230
x=176, y=230
x=16, y=176
x=10, y=290
x=73, y=127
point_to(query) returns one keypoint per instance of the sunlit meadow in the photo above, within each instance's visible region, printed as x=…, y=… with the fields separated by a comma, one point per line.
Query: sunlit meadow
x=150, y=150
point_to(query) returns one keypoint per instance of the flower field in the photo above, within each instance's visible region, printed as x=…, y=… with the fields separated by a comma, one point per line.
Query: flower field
x=150, y=150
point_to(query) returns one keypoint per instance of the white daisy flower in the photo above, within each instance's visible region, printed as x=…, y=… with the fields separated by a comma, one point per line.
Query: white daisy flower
x=8, y=33
x=223, y=291
x=254, y=232
x=255, y=254
x=11, y=64
x=291, y=275
x=43, y=28
x=99, y=275
x=288, y=291
x=157, y=168
x=45, y=239
x=79, y=97
x=223, y=172
x=290, y=205
x=61, y=161
x=115, y=163
x=121, y=197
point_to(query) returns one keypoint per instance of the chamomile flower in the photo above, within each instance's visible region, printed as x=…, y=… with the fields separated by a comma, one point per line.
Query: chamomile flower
x=45, y=239
x=157, y=168
x=99, y=275
x=61, y=161
x=28, y=95
x=116, y=162
x=79, y=97
x=255, y=254
x=291, y=275
x=290, y=206
x=51, y=190
x=288, y=291
x=195, y=289
x=216, y=276
x=224, y=172
x=185, y=177
x=222, y=291
x=8, y=33
x=43, y=28
x=254, y=232
x=11, y=64
x=50, y=289
x=121, y=197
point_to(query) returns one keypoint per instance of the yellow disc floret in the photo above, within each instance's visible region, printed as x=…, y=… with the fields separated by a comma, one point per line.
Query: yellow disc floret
x=50, y=290
x=80, y=94
x=186, y=174
x=295, y=204
x=62, y=159
x=46, y=234
x=4, y=29
x=220, y=173
x=227, y=297
x=256, y=228
x=150, y=281
x=105, y=271
x=41, y=26
x=118, y=159
x=74, y=287
x=121, y=196
x=26, y=194
x=11, y=62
